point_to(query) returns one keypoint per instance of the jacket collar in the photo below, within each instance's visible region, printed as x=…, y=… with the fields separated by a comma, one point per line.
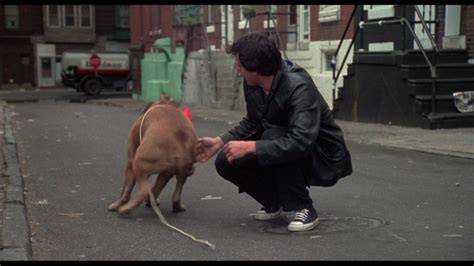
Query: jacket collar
x=274, y=87
x=277, y=77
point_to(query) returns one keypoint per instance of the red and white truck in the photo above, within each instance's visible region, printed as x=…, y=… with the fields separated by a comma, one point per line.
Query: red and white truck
x=92, y=72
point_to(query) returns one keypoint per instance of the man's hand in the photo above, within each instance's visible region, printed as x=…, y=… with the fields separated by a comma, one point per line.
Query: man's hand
x=237, y=149
x=208, y=147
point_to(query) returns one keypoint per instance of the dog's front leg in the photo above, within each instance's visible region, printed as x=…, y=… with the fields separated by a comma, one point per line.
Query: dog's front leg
x=128, y=185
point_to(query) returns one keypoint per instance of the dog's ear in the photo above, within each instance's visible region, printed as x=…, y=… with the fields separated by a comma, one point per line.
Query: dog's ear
x=147, y=107
x=164, y=98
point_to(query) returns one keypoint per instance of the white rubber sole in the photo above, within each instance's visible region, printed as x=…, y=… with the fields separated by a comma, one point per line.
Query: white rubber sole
x=298, y=227
x=263, y=216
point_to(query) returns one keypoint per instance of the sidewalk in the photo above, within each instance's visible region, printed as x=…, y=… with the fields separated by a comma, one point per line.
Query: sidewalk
x=14, y=229
x=457, y=142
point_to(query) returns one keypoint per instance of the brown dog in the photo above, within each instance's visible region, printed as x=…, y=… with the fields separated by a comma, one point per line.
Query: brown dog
x=167, y=148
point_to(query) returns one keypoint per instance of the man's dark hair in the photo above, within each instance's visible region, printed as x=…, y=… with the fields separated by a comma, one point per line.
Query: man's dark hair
x=258, y=53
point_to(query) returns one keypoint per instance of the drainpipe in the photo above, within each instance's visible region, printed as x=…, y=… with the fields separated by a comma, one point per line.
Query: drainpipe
x=141, y=25
x=226, y=26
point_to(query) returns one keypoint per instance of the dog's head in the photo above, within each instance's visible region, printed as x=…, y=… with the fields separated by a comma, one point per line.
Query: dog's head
x=164, y=99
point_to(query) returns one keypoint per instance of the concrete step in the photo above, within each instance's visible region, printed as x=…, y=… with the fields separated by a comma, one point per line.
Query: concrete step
x=304, y=63
x=299, y=55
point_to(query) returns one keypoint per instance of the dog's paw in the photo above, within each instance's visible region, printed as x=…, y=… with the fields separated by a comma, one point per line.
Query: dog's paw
x=123, y=211
x=114, y=206
x=178, y=207
x=148, y=203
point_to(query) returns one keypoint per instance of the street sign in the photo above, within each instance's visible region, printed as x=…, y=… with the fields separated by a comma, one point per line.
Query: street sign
x=95, y=61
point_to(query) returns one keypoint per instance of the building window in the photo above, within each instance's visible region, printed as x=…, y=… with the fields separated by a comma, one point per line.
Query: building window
x=12, y=17
x=69, y=16
x=210, y=28
x=327, y=55
x=185, y=15
x=86, y=16
x=305, y=22
x=273, y=10
x=242, y=17
x=53, y=15
x=243, y=21
x=210, y=14
x=292, y=16
x=123, y=17
x=270, y=19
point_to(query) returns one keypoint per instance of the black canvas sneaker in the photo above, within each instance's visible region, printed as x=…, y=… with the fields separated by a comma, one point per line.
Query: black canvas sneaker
x=268, y=213
x=304, y=220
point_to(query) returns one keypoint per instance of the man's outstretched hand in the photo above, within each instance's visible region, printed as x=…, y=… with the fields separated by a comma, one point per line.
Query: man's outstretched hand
x=208, y=147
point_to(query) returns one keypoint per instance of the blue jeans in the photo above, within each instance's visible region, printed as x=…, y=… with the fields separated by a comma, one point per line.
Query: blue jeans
x=272, y=186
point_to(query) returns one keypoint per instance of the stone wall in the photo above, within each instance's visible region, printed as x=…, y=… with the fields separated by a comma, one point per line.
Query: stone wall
x=212, y=83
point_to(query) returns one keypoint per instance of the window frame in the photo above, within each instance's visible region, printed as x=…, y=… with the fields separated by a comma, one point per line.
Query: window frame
x=48, y=16
x=119, y=17
x=65, y=16
x=210, y=14
x=305, y=12
x=90, y=16
x=242, y=19
x=16, y=17
x=327, y=58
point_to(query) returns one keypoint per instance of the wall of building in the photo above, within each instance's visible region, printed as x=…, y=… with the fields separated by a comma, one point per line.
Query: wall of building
x=470, y=31
x=148, y=23
x=17, y=60
x=30, y=21
x=105, y=19
x=214, y=30
x=332, y=30
x=74, y=34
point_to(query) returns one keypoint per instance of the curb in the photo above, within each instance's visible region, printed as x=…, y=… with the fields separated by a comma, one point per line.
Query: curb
x=16, y=243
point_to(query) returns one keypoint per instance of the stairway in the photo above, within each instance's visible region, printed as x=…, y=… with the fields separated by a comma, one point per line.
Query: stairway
x=303, y=58
x=395, y=88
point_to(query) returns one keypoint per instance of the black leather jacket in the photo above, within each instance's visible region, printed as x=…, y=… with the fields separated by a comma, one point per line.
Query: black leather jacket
x=294, y=103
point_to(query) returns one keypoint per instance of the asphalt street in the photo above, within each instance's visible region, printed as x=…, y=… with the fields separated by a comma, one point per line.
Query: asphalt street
x=397, y=205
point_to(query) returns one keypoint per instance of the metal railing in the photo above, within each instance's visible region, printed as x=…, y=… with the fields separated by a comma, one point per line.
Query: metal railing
x=271, y=16
x=333, y=60
x=402, y=21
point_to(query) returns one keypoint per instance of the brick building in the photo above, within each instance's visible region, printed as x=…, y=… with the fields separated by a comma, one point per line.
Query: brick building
x=19, y=24
x=311, y=34
x=35, y=36
x=304, y=37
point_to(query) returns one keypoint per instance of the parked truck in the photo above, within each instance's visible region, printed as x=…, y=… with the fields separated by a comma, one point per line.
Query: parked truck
x=93, y=72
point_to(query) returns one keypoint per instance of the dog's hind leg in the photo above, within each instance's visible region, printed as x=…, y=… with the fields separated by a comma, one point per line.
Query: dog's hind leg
x=178, y=206
x=139, y=197
x=142, y=171
x=128, y=185
x=160, y=183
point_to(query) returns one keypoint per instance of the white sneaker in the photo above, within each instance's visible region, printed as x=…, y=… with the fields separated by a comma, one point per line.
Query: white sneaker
x=264, y=214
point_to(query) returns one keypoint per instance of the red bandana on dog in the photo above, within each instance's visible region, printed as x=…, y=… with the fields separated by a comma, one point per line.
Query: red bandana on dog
x=187, y=112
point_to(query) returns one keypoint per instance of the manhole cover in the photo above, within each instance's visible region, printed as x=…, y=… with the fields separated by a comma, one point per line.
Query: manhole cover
x=327, y=225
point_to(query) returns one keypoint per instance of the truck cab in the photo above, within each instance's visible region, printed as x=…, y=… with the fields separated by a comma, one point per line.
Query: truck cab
x=92, y=72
